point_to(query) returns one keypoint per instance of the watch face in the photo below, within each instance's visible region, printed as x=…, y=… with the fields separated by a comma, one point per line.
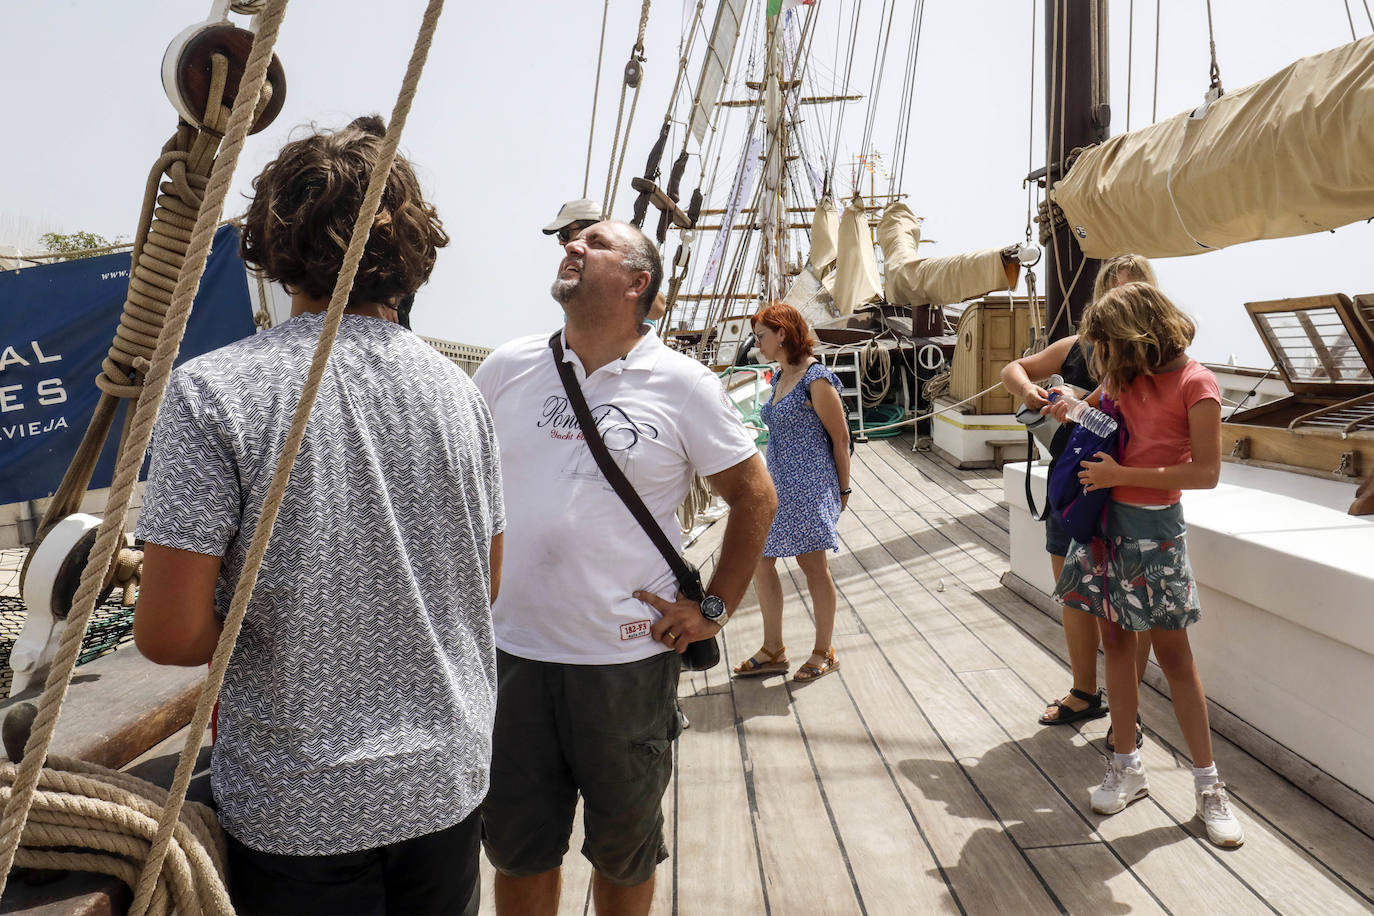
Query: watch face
x=713, y=608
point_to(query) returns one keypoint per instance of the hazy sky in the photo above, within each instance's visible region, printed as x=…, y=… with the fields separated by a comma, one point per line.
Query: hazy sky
x=499, y=128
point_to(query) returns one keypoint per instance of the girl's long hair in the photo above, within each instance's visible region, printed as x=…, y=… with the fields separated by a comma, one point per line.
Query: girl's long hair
x=1135, y=330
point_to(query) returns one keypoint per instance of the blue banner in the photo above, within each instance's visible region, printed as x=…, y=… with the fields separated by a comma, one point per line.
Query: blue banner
x=56, y=325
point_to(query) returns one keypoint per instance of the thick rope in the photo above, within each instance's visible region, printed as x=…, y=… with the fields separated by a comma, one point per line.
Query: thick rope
x=110, y=532
x=281, y=477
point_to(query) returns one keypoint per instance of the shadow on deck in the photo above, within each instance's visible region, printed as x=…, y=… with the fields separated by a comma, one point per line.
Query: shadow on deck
x=916, y=779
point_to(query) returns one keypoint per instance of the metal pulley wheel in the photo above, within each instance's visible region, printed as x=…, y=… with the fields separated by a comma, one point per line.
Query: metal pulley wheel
x=186, y=71
x=49, y=583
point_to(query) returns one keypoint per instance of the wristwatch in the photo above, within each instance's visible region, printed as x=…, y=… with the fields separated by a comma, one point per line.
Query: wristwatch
x=713, y=609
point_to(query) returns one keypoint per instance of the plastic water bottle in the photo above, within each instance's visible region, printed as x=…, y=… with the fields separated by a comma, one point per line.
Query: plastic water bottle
x=1082, y=413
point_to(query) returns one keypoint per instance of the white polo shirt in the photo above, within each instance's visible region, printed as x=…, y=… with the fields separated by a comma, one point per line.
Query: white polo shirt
x=574, y=554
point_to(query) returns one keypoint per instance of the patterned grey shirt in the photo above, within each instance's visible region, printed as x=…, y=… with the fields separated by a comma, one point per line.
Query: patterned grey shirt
x=357, y=709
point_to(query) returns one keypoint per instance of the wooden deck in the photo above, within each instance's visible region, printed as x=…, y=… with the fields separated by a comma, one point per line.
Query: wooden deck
x=916, y=779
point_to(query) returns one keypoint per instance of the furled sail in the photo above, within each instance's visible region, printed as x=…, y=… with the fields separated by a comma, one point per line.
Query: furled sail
x=910, y=279
x=825, y=231
x=1289, y=155
x=856, y=271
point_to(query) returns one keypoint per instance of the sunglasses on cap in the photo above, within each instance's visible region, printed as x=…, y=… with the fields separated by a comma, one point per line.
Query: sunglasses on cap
x=573, y=230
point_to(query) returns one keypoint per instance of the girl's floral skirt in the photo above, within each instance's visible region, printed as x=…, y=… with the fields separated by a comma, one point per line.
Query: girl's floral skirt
x=1139, y=576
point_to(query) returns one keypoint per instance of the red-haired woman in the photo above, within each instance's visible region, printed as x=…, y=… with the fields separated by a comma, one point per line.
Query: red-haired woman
x=808, y=456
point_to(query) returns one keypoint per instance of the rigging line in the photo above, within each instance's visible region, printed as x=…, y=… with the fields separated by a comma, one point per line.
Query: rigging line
x=911, y=104
x=624, y=149
x=596, y=95
x=848, y=73
x=1368, y=14
x=636, y=54
x=875, y=84
x=1212, y=44
x=1154, y=105
x=682, y=70
x=1030, y=136
x=1130, y=59
x=1051, y=99
x=1351, y=19
x=903, y=102
x=904, y=121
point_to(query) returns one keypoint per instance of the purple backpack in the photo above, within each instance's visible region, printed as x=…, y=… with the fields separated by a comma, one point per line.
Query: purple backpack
x=1083, y=513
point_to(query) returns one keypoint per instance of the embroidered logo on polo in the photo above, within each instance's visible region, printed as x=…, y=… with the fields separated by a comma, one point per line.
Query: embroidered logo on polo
x=618, y=429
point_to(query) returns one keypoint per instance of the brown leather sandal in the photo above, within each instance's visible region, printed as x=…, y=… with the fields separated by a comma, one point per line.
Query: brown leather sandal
x=810, y=672
x=777, y=663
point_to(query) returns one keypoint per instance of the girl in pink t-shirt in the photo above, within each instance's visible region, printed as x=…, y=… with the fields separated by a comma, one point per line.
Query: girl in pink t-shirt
x=1142, y=582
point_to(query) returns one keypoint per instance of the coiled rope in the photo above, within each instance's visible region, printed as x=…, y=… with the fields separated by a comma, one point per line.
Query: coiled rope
x=25, y=778
x=162, y=876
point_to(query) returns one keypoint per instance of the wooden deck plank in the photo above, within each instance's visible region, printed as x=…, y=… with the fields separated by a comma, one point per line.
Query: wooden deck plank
x=1076, y=768
x=801, y=856
x=714, y=865
x=977, y=859
x=881, y=850
x=1275, y=864
x=1091, y=877
x=1035, y=815
x=917, y=776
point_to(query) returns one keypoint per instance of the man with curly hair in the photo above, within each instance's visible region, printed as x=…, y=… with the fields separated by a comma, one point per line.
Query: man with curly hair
x=355, y=720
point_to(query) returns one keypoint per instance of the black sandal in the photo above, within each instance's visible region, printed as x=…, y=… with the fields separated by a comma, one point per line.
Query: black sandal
x=1139, y=735
x=1066, y=715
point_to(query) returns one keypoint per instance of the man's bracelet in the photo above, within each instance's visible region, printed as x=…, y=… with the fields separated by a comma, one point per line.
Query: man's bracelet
x=846, y=491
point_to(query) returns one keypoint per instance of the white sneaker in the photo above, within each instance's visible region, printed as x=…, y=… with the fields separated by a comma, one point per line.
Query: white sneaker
x=1214, y=808
x=1120, y=786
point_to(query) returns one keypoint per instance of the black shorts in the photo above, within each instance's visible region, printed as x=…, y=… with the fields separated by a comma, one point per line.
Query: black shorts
x=434, y=873
x=1056, y=538
x=605, y=731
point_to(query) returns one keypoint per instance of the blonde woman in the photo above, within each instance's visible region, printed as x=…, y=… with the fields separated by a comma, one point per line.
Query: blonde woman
x=1069, y=358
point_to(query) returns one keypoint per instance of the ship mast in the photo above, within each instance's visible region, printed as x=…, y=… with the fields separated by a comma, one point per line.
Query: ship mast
x=1077, y=114
x=772, y=203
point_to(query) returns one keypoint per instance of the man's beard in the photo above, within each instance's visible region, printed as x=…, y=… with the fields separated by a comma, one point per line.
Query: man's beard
x=563, y=290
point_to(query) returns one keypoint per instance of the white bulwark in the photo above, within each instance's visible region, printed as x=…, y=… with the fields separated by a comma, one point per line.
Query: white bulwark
x=467, y=356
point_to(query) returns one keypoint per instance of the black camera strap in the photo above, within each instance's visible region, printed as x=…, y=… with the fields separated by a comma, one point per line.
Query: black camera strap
x=688, y=579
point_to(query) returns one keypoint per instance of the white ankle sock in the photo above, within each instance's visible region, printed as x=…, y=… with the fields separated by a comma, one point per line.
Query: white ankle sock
x=1131, y=760
x=1204, y=777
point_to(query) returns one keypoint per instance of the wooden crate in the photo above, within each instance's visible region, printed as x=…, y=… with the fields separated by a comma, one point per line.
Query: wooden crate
x=991, y=333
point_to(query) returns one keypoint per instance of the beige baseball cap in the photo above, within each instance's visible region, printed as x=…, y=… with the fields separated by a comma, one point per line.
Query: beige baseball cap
x=573, y=211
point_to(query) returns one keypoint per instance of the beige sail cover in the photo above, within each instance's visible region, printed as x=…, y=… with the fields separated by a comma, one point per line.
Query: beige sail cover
x=1289, y=155
x=856, y=270
x=825, y=231
x=912, y=280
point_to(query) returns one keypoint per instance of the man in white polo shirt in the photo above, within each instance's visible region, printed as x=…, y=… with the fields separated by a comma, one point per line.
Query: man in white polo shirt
x=589, y=622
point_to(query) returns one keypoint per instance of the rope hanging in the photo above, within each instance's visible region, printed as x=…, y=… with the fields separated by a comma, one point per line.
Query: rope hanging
x=1212, y=44
x=634, y=73
x=1154, y=103
x=151, y=891
x=25, y=778
x=596, y=97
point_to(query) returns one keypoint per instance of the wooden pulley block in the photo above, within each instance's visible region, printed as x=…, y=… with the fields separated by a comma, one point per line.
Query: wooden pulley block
x=186, y=70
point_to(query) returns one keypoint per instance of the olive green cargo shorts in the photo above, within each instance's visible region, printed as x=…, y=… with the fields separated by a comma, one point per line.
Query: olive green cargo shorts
x=605, y=731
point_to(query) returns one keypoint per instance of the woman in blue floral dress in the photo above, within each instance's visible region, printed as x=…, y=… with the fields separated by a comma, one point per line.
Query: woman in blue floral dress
x=808, y=456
